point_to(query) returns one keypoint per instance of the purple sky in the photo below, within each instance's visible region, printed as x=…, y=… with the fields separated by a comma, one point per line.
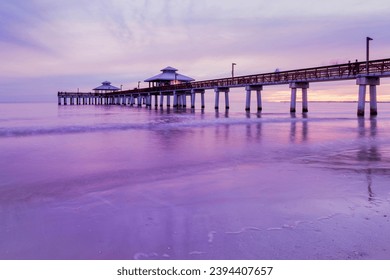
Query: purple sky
x=47, y=46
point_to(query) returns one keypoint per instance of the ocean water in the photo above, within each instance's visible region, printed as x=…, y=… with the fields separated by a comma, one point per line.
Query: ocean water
x=115, y=182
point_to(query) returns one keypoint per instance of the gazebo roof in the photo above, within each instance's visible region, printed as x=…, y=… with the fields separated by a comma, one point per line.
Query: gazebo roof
x=106, y=86
x=169, y=74
x=169, y=68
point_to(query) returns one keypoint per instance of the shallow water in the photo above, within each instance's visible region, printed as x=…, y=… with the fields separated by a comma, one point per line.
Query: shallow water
x=101, y=182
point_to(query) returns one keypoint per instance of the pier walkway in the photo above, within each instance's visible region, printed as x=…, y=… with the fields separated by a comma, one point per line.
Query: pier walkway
x=296, y=79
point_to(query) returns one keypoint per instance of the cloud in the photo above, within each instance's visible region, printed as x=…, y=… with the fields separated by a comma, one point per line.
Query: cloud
x=131, y=40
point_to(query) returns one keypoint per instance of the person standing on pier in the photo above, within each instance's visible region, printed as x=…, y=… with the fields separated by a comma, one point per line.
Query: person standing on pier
x=356, y=67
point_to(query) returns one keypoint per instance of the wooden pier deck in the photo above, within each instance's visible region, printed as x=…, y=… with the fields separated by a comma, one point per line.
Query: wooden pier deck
x=296, y=79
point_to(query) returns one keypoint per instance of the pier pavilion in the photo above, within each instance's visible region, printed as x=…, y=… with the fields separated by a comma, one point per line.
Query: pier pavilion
x=169, y=76
x=105, y=88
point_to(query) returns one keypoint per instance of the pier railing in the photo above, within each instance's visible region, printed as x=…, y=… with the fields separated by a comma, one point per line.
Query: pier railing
x=315, y=74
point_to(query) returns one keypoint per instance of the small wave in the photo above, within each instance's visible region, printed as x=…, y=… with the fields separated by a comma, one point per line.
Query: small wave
x=165, y=122
x=145, y=256
x=244, y=229
x=36, y=131
x=328, y=217
x=197, y=253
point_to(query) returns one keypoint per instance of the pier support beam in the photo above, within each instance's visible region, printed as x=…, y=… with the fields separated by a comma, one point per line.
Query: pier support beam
x=149, y=100
x=193, y=93
x=248, y=100
x=304, y=86
x=179, y=100
x=259, y=102
x=216, y=99
x=161, y=99
x=217, y=91
x=184, y=100
x=293, y=102
x=168, y=100
x=227, y=100
x=192, y=99
x=249, y=89
x=305, y=105
x=363, y=82
x=373, y=103
x=156, y=101
x=175, y=102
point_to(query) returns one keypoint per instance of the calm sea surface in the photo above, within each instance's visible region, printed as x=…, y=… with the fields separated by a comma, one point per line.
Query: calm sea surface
x=114, y=182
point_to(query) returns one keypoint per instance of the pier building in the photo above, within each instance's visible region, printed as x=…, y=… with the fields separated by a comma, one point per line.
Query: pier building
x=106, y=87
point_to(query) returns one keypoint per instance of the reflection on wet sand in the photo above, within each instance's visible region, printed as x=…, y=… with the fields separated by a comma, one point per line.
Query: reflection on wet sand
x=293, y=129
x=366, y=157
x=368, y=151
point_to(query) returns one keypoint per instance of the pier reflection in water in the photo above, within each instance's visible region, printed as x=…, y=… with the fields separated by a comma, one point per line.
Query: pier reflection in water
x=369, y=151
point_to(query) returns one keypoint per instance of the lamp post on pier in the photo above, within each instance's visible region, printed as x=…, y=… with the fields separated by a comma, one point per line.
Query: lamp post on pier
x=368, y=39
x=233, y=64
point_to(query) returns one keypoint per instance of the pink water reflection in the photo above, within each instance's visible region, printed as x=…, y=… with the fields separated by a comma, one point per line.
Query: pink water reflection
x=193, y=186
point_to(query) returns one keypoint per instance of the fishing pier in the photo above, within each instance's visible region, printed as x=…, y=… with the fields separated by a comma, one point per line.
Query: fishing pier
x=366, y=74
